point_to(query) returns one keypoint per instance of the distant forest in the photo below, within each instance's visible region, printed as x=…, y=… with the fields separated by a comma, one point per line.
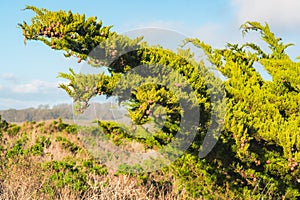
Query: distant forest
x=64, y=111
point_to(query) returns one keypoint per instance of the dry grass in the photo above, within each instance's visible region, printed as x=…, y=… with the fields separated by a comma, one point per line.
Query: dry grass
x=26, y=179
x=23, y=177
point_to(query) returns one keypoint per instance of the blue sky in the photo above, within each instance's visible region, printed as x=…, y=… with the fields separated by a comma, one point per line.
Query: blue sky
x=28, y=73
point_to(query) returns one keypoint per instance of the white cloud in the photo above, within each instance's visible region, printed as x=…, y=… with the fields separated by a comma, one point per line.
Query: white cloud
x=35, y=86
x=31, y=94
x=8, y=76
x=279, y=13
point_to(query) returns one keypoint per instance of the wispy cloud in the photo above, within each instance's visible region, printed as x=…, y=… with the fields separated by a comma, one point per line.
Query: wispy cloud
x=31, y=94
x=8, y=76
x=278, y=13
x=34, y=86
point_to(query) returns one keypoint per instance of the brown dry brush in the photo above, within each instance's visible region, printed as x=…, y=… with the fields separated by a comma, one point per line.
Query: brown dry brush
x=25, y=180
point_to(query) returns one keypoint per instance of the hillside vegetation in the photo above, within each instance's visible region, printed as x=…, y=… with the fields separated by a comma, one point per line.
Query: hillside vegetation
x=47, y=160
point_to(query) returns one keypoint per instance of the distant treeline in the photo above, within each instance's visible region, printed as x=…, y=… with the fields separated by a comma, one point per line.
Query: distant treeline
x=64, y=111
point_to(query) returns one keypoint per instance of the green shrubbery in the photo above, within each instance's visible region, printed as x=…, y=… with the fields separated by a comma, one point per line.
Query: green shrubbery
x=40, y=143
x=16, y=150
x=72, y=173
x=13, y=130
x=68, y=145
x=257, y=154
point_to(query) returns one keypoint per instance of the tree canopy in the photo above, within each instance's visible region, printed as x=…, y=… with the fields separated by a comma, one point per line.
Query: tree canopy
x=258, y=149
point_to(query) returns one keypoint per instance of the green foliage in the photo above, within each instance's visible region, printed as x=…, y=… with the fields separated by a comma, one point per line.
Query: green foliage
x=68, y=145
x=44, y=141
x=129, y=169
x=61, y=126
x=18, y=148
x=91, y=166
x=257, y=155
x=67, y=173
x=66, y=31
x=277, y=47
x=114, y=131
x=71, y=172
x=40, y=143
x=37, y=149
x=262, y=119
x=3, y=124
x=71, y=128
x=13, y=130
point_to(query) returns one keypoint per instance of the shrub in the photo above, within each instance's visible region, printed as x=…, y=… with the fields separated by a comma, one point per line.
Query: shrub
x=72, y=129
x=13, y=130
x=68, y=145
x=37, y=149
